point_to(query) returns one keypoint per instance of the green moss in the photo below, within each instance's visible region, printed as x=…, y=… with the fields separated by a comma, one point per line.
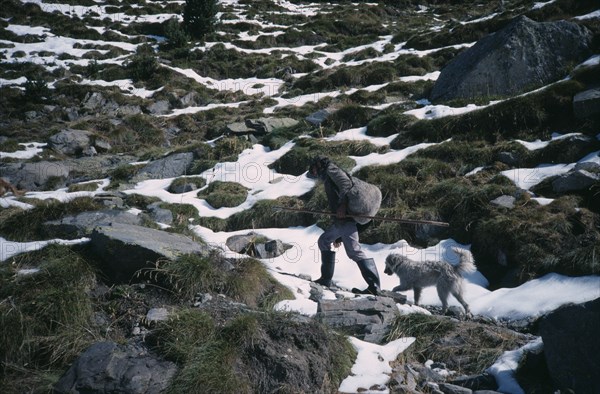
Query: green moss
x=183, y=216
x=219, y=62
x=122, y=174
x=182, y=182
x=365, y=97
x=350, y=116
x=139, y=201
x=83, y=187
x=410, y=65
x=228, y=149
x=346, y=77
x=388, y=124
x=361, y=55
x=224, y=194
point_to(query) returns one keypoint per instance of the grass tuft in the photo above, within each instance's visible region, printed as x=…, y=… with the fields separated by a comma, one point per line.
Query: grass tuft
x=27, y=225
x=224, y=194
x=468, y=348
x=45, y=317
x=244, y=280
x=210, y=369
x=187, y=329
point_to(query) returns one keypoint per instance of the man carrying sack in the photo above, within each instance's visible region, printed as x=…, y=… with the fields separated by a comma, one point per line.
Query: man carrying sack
x=346, y=196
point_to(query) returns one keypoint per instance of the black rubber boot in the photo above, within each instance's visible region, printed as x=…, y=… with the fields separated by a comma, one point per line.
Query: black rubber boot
x=368, y=269
x=327, y=268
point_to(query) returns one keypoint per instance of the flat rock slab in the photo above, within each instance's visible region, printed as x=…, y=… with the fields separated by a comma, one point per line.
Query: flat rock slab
x=83, y=224
x=168, y=167
x=367, y=318
x=126, y=248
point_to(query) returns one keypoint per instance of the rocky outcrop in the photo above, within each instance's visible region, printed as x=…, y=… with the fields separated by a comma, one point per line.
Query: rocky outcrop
x=126, y=248
x=582, y=177
x=168, y=167
x=77, y=143
x=160, y=215
x=587, y=104
x=160, y=107
x=70, y=141
x=267, y=125
x=259, y=126
x=367, y=318
x=36, y=175
x=83, y=224
x=257, y=246
x=96, y=103
x=107, y=367
x=572, y=345
x=523, y=55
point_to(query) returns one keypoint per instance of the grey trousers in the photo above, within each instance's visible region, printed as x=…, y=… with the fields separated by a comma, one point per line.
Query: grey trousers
x=347, y=231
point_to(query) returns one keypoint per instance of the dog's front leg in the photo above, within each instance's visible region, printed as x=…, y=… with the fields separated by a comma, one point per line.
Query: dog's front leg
x=417, y=291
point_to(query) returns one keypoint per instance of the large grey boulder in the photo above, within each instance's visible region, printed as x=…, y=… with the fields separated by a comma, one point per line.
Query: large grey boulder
x=160, y=107
x=587, y=104
x=266, y=125
x=168, y=167
x=36, y=175
x=107, y=367
x=523, y=55
x=83, y=224
x=95, y=103
x=367, y=318
x=572, y=346
x=581, y=178
x=126, y=248
x=71, y=141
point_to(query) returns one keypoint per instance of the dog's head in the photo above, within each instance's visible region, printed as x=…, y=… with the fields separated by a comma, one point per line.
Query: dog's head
x=392, y=262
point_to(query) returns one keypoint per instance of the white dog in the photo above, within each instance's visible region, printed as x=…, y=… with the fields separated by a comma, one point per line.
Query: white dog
x=446, y=277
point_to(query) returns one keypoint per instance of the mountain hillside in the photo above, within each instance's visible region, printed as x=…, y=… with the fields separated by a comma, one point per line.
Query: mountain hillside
x=156, y=232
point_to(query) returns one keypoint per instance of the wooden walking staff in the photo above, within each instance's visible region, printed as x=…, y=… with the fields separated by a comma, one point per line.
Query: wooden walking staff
x=407, y=221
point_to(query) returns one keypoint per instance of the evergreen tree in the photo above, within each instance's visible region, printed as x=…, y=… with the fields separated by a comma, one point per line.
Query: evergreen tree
x=199, y=16
x=176, y=36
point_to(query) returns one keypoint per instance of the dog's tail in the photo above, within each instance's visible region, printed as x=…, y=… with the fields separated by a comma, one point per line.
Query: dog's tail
x=465, y=264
